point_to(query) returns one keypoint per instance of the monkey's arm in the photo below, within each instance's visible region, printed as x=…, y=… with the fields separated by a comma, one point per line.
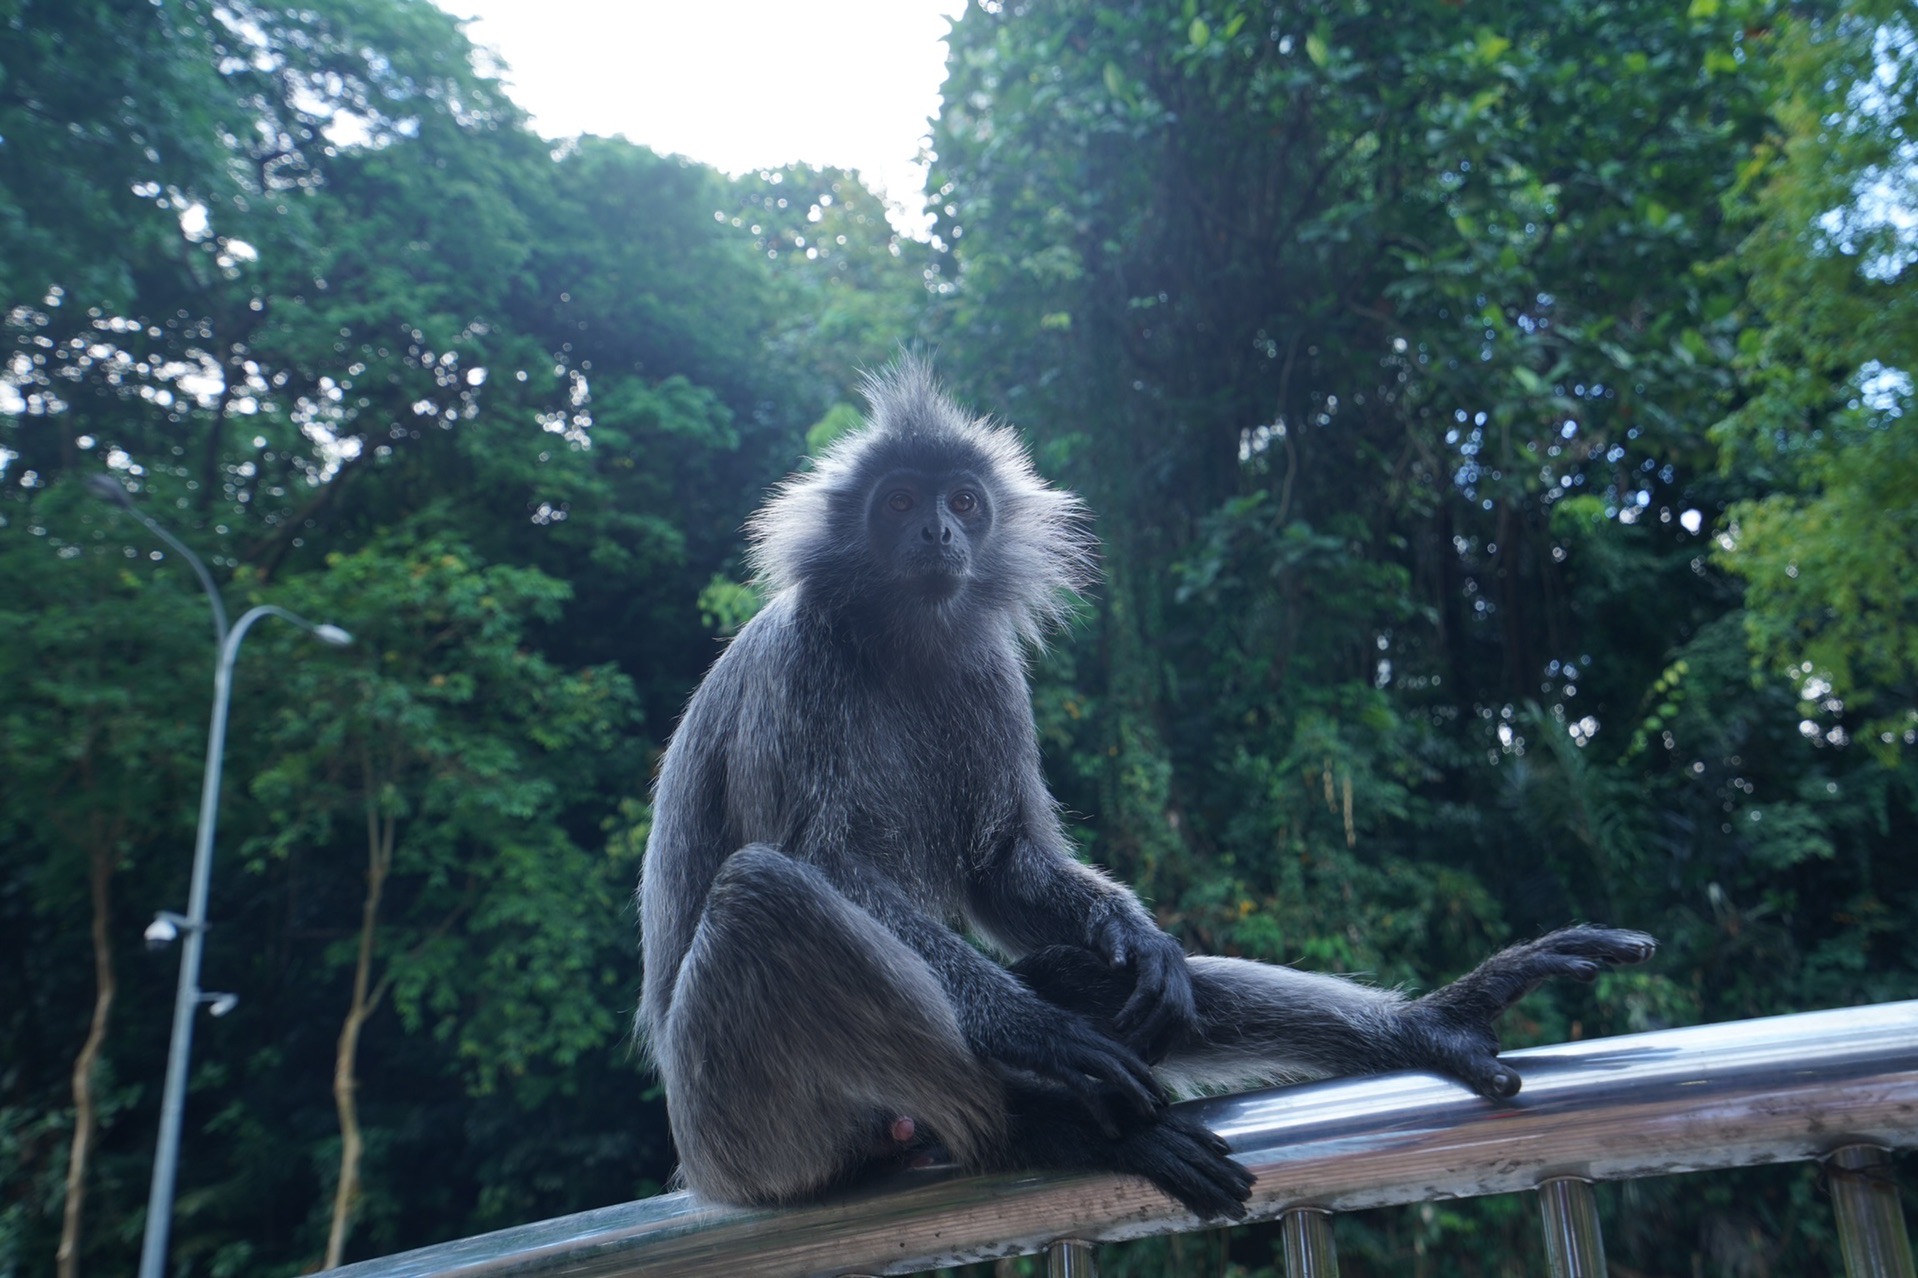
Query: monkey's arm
x=1001, y=1018
x=1035, y=894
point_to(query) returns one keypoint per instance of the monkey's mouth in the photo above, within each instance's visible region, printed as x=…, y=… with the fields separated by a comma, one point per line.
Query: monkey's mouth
x=941, y=573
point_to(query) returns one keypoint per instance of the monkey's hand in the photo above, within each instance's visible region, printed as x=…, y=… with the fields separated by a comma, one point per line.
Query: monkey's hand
x=1450, y=1029
x=1173, y=1150
x=1160, y=1009
x=1064, y=1048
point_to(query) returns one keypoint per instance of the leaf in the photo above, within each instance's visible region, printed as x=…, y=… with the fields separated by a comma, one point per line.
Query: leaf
x=1199, y=33
x=1491, y=45
x=1485, y=98
x=1317, y=49
x=1115, y=80
x=1617, y=354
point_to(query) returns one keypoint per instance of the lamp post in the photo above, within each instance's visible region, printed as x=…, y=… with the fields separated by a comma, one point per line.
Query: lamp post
x=166, y=1154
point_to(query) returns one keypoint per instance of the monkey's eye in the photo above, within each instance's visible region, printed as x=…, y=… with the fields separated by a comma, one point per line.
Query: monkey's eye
x=899, y=501
x=963, y=502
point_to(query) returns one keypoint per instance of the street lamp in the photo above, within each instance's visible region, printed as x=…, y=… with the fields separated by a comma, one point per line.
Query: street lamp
x=167, y=925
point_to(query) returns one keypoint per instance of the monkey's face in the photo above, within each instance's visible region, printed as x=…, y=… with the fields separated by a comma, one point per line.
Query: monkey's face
x=926, y=529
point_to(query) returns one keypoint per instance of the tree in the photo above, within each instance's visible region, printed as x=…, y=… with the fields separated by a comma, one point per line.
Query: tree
x=851, y=290
x=456, y=751
x=98, y=731
x=309, y=288
x=1829, y=553
x=127, y=255
x=1386, y=341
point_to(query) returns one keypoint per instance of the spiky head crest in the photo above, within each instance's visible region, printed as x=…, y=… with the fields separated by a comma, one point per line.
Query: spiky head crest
x=811, y=534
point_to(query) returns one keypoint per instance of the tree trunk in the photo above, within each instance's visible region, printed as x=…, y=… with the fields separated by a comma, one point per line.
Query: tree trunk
x=85, y=1110
x=366, y=999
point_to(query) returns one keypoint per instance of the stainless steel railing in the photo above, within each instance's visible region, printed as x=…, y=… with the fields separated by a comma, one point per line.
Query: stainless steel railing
x=1839, y=1085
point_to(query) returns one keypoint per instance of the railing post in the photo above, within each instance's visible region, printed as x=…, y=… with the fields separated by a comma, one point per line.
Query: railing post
x=1871, y=1224
x=1309, y=1249
x=1070, y=1258
x=1573, y=1244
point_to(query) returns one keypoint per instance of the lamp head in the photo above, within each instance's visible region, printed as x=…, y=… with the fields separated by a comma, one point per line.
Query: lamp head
x=109, y=489
x=329, y=633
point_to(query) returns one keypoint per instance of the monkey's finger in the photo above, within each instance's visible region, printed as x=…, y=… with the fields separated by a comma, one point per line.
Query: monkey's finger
x=1069, y=1051
x=1098, y=1106
x=1507, y=988
x=1488, y=1076
x=1135, y=1081
x=1153, y=1026
x=1114, y=1064
x=1190, y=1164
x=1609, y=945
x=1161, y=1006
x=1580, y=953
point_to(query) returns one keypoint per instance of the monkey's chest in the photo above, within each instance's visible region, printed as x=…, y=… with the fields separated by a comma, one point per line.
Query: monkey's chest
x=934, y=800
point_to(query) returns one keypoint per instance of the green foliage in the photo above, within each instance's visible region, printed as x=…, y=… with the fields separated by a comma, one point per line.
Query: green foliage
x=444, y=723
x=725, y=605
x=1831, y=551
x=1472, y=399
x=850, y=291
x=839, y=419
x=305, y=285
x=1388, y=341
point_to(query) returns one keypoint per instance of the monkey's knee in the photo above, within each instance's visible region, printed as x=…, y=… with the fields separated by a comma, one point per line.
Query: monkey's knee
x=760, y=872
x=800, y=1032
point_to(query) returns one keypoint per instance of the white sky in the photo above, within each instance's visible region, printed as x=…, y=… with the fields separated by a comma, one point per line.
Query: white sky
x=738, y=84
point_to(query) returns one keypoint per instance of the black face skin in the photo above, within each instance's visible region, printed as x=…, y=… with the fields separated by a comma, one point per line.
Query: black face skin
x=928, y=529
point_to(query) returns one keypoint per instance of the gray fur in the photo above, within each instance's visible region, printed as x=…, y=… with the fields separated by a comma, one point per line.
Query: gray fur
x=858, y=779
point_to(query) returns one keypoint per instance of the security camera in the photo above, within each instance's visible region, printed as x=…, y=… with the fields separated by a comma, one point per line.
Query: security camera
x=162, y=932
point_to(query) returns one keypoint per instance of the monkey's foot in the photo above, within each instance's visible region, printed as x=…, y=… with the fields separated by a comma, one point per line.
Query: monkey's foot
x=1190, y=1163
x=1451, y=1030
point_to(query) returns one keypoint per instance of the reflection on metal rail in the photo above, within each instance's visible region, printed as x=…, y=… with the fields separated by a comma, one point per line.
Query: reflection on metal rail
x=1839, y=1085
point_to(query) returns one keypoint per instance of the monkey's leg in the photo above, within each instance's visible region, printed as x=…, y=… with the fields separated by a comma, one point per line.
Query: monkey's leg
x=799, y=1031
x=1451, y=1029
x=1262, y=1023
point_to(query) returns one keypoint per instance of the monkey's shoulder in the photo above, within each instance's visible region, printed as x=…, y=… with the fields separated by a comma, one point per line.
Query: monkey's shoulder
x=802, y=731
x=793, y=665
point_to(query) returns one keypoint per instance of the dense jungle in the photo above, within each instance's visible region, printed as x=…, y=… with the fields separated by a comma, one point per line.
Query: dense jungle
x=1499, y=419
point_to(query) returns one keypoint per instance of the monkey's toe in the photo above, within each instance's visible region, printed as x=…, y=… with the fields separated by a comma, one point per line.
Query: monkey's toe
x=1191, y=1164
x=1609, y=945
x=1493, y=1080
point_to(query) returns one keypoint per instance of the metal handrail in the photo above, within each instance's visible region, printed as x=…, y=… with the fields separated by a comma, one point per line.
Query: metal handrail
x=1779, y=1089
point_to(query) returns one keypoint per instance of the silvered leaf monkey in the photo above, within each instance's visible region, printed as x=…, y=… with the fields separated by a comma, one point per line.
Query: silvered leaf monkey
x=858, y=778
